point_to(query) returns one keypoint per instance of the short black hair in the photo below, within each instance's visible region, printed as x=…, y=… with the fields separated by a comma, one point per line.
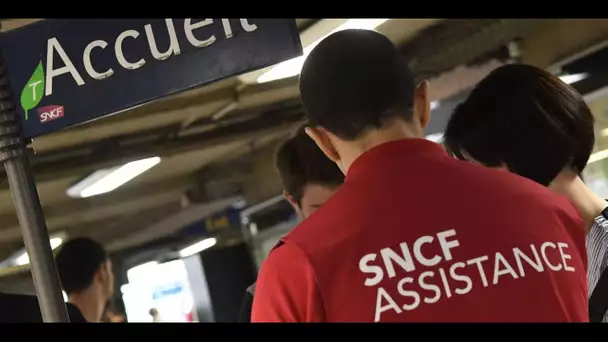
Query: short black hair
x=300, y=162
x=77, y=262
x=355, y=80
x=526, y=118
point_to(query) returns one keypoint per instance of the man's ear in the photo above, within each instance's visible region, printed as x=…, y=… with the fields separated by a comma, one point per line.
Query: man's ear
x=290, y=199
x=321, y=137
x=294, y=204
x=422, y=107
x=102, y=273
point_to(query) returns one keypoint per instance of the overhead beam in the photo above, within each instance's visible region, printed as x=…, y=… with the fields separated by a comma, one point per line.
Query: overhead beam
x=455, y=42
x=459, y=79
x=60, y=166
x=561, y=38
x=130, y=222
x=171, y=224
x=90, y=210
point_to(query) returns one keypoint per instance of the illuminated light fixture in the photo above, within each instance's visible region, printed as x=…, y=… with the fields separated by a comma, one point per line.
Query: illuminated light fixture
x=292, y=67
x=197, y=247
x=24, y=259
x=605, y=132
x=435, y=137
x=570, y=79
x=434, y=105
x=597, y=156
x=106, y=180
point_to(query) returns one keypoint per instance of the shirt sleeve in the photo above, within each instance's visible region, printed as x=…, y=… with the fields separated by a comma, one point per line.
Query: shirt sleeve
x=286, y=289
x=245, y=315
x=597, y=251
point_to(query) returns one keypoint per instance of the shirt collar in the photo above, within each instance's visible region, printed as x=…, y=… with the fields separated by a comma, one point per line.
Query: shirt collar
x=378, y=157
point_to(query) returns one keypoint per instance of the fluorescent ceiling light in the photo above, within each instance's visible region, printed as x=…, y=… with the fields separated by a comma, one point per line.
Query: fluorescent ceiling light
x=106, y=180
x=435, y=137
x=293, y=66
x=24, y=259
x=597, y=156
x=197, y=247
x=141, y=273
x=570, y=79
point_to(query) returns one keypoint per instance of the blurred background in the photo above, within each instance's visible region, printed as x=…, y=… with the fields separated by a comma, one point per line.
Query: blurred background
x=203, y=205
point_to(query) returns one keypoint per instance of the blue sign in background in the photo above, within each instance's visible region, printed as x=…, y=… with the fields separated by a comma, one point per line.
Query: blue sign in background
x=273, y=41
x=228, y=219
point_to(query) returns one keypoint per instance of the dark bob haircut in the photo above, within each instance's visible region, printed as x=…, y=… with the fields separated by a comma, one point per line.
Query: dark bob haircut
x=525, y=118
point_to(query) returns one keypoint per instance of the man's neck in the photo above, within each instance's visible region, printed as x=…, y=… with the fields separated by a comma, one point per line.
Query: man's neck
x=393, y=131
x=588, y=204
x=90, y=304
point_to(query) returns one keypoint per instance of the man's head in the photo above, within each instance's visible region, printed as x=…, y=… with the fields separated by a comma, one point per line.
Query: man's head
x=83, y=264
x=308, y=177
x=356, y=87
x=526, y=120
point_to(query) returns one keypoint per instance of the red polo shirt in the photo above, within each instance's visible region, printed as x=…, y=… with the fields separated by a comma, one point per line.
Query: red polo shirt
x=414, y=235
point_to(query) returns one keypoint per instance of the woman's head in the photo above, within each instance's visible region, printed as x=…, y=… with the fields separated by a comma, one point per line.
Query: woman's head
x=525, y=119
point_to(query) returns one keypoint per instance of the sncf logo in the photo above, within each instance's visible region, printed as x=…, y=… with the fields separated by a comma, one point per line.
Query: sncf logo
x=50, y=113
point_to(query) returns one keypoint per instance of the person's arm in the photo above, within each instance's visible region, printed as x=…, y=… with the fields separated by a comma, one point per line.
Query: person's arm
x=286, y=289
x=245, y=316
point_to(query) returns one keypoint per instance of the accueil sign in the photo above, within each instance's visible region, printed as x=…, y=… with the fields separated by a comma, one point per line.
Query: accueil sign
x=59, y=64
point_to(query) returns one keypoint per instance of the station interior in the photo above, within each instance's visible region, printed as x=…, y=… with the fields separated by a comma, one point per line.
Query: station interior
x=188, y=234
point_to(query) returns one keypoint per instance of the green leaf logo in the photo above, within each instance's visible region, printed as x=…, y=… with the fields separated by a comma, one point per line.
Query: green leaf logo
x=33, y=91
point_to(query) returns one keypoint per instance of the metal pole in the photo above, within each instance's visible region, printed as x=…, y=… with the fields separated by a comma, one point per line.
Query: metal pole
x=29, y=211
x=36, y=239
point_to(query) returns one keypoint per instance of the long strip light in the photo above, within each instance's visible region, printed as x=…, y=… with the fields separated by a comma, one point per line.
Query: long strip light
x=24, y=258
x=573, y=78
x=197, y=247
x=597, y=156
x=106, y=180
x=293, y=66
x=435, y=137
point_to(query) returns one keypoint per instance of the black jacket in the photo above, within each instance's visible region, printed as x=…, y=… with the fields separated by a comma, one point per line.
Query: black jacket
x=245, y=316
x=17, y=308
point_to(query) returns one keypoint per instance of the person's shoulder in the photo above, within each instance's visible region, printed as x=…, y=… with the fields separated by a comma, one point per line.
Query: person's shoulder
x=285, y=260
x=533, y=206
x=505, y=183
x=510, y=193
x=286, y=252
x=524, y=194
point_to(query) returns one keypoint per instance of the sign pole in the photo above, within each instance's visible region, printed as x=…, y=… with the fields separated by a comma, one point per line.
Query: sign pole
x=13, y=154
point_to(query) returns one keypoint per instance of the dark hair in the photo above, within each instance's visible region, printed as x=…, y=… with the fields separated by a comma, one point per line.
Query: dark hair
x=526, y=118
x=355, y=80
x=300, y=162
x=77, y=262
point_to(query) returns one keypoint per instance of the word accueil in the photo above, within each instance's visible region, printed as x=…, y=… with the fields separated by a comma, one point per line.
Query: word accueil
x=54, y=49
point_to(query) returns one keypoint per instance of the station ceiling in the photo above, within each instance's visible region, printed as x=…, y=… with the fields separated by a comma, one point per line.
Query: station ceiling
x=217, y=142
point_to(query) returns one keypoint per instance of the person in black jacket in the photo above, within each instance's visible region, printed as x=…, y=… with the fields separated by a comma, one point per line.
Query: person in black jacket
x=86, y=276
x=309, y=179
x=21, y=308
